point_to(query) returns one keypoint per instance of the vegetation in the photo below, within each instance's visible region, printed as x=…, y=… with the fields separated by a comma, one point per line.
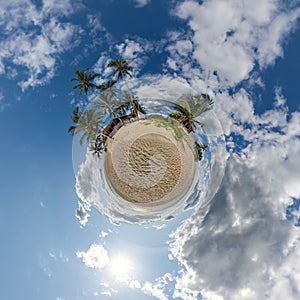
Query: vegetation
x=123, y=106
x=188, y=107
x=199, y=150
x=85, y=81
x=160, y=121
x=110, y=102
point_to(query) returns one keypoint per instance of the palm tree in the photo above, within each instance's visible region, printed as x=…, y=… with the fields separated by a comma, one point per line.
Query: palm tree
x=84, y=80
x=183, y=116
x=106, y=104
x=196, y=104
x=138, y=107
x=189, y=107
x=120, y=106
x=122, y=68
x=107, y=86
x=200, y=148
x=98, y=145
x=87, y=123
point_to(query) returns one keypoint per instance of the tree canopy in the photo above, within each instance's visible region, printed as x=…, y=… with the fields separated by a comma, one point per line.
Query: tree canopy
x=122, y=105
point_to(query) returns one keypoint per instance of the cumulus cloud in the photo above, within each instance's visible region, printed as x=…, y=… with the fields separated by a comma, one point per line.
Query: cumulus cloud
x=239, y=245
x=95, y=257
x=156, y=290
x=81, y=214
x=231, y=37
x=141, y=3
x=33, y=38
x=59, y=7
x=136, y=51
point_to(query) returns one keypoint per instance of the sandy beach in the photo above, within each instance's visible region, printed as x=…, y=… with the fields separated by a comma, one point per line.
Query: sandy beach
x=145, y=163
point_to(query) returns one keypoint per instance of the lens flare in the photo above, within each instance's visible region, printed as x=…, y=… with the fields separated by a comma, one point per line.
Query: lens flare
x=121, y=267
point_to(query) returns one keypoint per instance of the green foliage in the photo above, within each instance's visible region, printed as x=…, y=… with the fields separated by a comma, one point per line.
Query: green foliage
x=107, y=86
x=200, y=148
x=196, y=104
x=121, y=68
x=161, y=121
x=123, y=106
x=89, y=123
x=189, y=107
x=97, y=146
x=85, y=81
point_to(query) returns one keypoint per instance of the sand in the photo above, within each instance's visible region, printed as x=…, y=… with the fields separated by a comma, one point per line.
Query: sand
x=144, y=163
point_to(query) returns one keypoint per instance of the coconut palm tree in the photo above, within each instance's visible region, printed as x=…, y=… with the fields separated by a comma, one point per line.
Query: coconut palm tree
x=196, y=104
x=107, y=86
x=138, y=107
x=183, y=116
x=200, y=148
x=119, y=105
x=97, y=146
x=86, y=123
x=189, y=107
x=106, y=103
x=121, y=68
x=85, y=81
x=133, y=103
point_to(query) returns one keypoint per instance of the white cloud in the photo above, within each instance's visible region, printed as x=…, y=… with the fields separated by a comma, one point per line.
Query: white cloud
x=231, y=37
x=95, y=257
x=129, y=49
x=279, y=98
x=81, y=214
x=141, y=3
x=240, y=241
x=241, y=246
x=95, y=28
x=107, y=290
x=3, y=103
x=135, y=50
x=154, y=290
x=162, y=87
x=59, y=7
x=59, y=256
x=103, y=234
x=33, y=38
x=88, y=181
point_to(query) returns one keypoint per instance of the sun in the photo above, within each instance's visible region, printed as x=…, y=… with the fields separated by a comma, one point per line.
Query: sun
x=121, y=266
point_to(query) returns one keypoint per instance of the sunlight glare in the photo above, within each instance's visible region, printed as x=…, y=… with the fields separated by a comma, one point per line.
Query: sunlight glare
x=121, y=266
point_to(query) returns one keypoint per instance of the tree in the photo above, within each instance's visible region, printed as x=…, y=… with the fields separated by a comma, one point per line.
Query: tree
x=109, y=104
x=121, y=68
x=98, y=145
x=189, y=107
x=200, y=148
x=85, y=81
x=107, y=86
x=196, y=104
x=184, y=117
x=86, y=123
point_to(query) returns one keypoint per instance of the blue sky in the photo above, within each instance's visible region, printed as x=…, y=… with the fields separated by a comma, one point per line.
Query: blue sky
x=244, y=243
